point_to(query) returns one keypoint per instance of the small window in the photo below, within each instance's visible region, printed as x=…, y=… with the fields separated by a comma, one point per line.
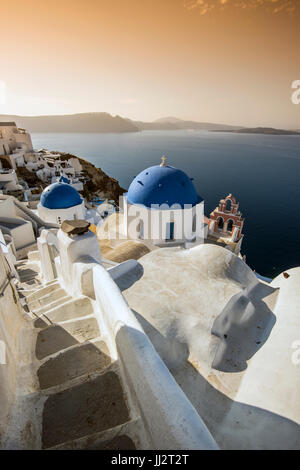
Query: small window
x=170, y=231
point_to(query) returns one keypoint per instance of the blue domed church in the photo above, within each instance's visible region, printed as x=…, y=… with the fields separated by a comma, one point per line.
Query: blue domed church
x=162, y=205
x=60, y=201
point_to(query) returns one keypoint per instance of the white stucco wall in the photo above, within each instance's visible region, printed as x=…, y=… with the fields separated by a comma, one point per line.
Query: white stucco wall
x=12, y=138
x=75, y=163
x=54, y=215
x=8, y=175
x=155, y=222
x=24, y=139
x=71, y=251
x=7, y=207
x=20, y=230
x=11, y=324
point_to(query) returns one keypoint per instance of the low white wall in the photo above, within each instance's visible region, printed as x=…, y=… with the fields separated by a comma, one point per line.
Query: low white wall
x=80, y=249
x=9, y=175
x=48, y=247
x=20, y=230
x=9, y=252
x=11, y=322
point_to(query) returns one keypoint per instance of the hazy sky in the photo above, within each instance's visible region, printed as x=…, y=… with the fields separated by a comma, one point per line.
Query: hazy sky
x=228, y=61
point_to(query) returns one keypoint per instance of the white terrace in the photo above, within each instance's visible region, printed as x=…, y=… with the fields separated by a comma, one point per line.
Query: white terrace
x=78, y=371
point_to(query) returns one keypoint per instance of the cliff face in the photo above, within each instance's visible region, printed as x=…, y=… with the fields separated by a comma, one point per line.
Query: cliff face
x=99, y=184
x=30, y=177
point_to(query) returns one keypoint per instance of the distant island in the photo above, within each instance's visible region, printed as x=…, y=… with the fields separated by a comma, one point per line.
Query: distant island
x=106, y=123
x=261, y=130
x=172, y=123
x=83, y=122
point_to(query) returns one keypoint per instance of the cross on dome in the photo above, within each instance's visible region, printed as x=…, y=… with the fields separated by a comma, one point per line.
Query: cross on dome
x=163, y=161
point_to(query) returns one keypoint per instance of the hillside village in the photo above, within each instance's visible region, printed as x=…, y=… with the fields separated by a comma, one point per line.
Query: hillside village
x=118, y=307
x=25, y=172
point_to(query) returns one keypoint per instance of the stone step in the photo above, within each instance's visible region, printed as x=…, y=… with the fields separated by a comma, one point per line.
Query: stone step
x=46, y=299
x=27, y=275
x=80, y=360
x=50, y=282
x=34, y=255
x=20, y=262
x=56, y=338
x=85, y=409
x=72, y=309
x=56, y=303
x=27, y=289
x=42, y=292
x=119, y=441
x=35, y=267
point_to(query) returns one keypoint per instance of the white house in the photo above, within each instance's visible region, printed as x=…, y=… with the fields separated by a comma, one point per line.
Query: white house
x=9, y=181
x=14, y=142
x=18, y=228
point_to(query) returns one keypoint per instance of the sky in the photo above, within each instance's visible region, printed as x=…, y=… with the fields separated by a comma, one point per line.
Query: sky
x=225, y=61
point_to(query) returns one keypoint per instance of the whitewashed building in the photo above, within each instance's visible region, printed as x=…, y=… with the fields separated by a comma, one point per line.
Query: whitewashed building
x=162, y=206
x=61, y=201
x=15, y=143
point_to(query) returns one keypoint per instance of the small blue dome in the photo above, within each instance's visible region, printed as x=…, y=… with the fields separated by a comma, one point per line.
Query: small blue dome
x=63, y=179
x=162, y=184
x=60, y=196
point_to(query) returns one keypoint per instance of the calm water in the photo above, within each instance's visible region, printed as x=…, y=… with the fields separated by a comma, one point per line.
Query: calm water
x=262, y=172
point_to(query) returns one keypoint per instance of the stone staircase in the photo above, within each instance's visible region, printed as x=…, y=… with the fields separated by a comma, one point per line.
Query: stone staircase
x=85, y=404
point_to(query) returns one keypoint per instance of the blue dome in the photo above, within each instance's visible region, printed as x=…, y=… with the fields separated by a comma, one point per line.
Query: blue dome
x=162, y=184
x=63, y=179
x=60, y=196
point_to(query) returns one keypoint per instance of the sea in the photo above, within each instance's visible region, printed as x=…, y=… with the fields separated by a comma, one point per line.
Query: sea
x=261, y=171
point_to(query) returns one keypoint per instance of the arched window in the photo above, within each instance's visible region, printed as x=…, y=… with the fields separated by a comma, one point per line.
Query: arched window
x=228, y=205
x=220, y=223
x=230, y=225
